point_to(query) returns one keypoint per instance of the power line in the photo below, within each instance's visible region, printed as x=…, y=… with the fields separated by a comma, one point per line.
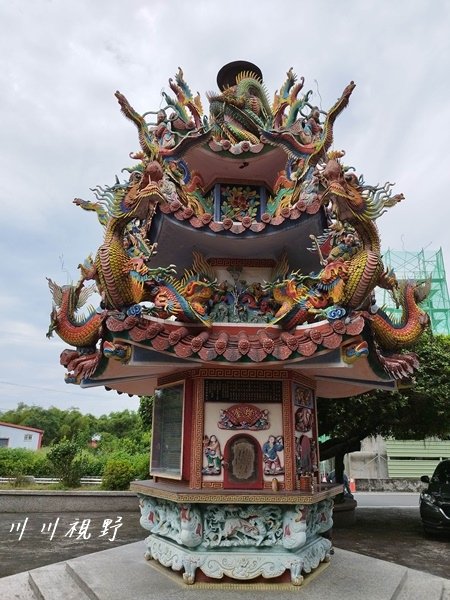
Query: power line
x=35, y=387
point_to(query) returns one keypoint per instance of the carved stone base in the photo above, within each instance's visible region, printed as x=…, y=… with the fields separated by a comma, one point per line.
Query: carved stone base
x=237, y=541
x=239, y=563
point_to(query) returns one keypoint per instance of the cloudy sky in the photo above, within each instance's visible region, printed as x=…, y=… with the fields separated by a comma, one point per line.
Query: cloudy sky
x=62, y=132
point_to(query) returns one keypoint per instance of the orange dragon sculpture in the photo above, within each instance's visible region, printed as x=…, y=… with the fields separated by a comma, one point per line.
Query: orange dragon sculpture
x=358, y=205
x=351, y=272
x=83, y=332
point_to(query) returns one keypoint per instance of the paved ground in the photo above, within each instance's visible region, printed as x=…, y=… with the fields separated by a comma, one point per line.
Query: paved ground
x=396, y=535
x=389, y=534
x=36, y=549
x=122, y=573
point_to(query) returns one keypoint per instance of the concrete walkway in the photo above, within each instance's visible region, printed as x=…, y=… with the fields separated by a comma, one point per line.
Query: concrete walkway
x=122, y=573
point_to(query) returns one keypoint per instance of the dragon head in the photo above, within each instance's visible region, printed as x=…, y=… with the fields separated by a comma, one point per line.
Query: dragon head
x=336, y=269
x=422, y=289
x=421, y=292
x=143, y=191
x=350, y=196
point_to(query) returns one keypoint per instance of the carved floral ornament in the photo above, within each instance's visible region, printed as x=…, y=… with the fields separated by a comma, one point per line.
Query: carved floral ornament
x=244, y=416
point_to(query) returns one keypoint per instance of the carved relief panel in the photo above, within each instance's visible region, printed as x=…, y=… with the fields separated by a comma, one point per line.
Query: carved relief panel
x=305, y=430
x=243, y=436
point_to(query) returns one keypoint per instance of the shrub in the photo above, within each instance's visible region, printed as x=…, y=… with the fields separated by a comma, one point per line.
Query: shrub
x=117, y=474
x=141, y=465
x=68, y=465
x=41, y=466
x=15, y=462
x=93, y=465
x=67, y=462
x=18, y=462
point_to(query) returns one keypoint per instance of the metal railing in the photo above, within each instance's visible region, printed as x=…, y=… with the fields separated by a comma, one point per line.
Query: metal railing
x=49, y=480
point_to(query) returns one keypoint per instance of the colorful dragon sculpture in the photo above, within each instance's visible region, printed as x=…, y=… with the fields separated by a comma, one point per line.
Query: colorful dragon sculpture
x=79, y=331
x=359, y=205
x=396, y=335
x=83, y=332
x=241, y=122
x=355, y=204
x=119, y=280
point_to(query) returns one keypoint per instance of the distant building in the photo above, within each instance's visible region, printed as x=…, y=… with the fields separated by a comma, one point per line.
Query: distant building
x=95, y=440
x=19, y=436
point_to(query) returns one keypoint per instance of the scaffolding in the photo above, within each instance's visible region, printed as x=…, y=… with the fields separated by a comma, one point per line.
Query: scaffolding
x=419, y=266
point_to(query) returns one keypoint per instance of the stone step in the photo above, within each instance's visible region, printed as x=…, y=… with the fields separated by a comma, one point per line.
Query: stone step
x=56, y=581
x=360, y=576
x=122, y=573
x=16, y=587
x=421, y=586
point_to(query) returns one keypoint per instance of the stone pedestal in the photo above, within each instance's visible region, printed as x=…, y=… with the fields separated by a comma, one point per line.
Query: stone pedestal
x=238, y=540
x=241, y=563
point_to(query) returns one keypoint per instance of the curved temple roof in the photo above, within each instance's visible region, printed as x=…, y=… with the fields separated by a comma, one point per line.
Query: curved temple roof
x=239, y=237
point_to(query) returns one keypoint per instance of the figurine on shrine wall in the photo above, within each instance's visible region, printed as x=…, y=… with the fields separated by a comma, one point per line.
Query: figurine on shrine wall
x=347, y=247
x=272, y=462
x=213, y=455
x=303, y=419
x=303, y=397
x=303, y=454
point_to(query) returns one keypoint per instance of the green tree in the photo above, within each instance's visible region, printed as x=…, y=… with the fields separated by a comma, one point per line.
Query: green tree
x=50, y=420
x=145, y=411
x=121, y=424
x=74, y=424
x=416, y=412
x=57, y=424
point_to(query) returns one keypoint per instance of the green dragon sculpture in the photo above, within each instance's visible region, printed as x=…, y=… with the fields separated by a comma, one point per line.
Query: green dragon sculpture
x=241, y=111
x=122, y=278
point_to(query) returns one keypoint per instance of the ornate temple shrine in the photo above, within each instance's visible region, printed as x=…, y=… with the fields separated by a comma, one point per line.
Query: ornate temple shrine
x=237, y=275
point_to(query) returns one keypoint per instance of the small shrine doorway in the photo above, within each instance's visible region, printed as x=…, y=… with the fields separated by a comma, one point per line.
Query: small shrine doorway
x=243, y=463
